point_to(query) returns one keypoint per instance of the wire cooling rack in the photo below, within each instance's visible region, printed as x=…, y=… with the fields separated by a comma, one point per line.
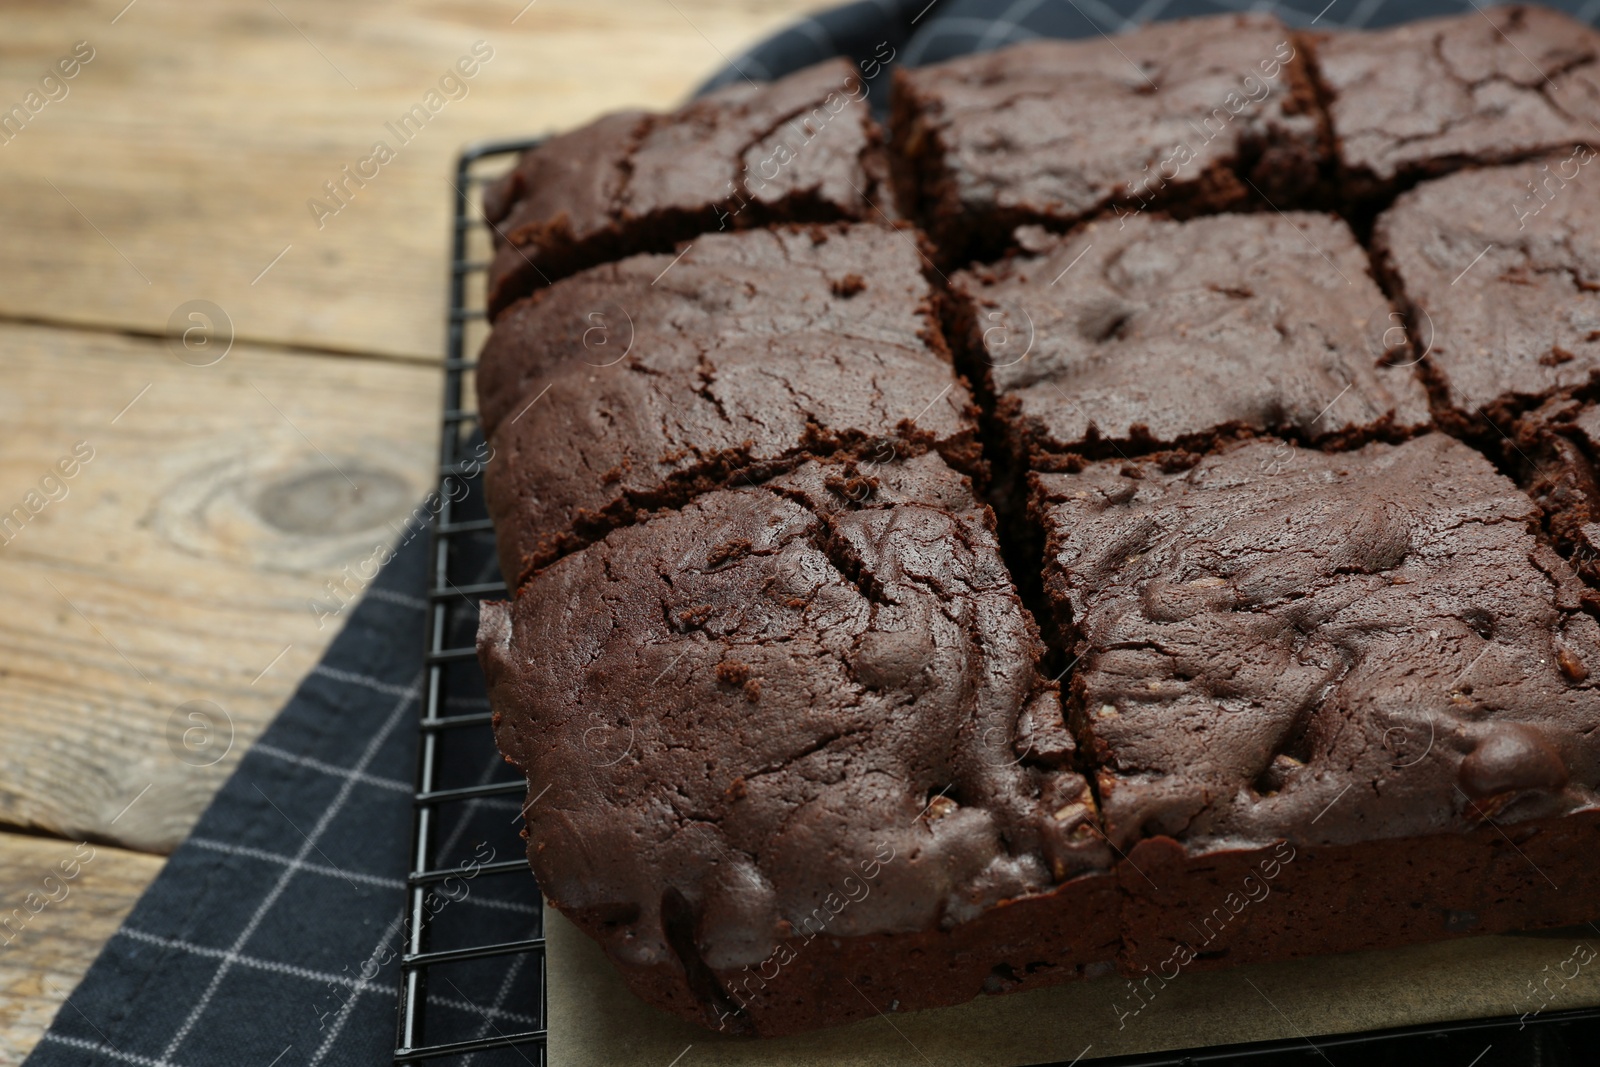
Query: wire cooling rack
x=470, y=992
x=474, y=993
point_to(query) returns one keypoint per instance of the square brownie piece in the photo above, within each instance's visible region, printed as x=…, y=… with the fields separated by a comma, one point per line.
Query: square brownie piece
x=794, y=736
x=637, y=384
x=1185, y=116
x=1424, y=98
x=1501, y=268
x=1128, y=335
x=1337, y=651
x=804, y=148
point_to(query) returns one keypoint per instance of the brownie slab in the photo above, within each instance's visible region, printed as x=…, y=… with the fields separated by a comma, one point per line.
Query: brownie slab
x=1501, y=268
x=803, y=148
x=809, y=706
x=1337, y=651
x=1130, y=334
x=1183, y=116
x=1490, y=86
x=721, y=367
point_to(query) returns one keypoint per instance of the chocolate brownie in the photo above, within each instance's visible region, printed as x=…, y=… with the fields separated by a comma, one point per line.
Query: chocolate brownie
x=803, y=148
x=1131, y=334
x=1501, y=268
x=1553, y=449
x=1336, y=651
x=802, y=708
x=1191, y=116
x=1488, y=86
x=722, y=366
x=780, y=680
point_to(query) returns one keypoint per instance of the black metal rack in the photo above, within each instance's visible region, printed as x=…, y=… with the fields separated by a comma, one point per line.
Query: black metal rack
x=463, y=789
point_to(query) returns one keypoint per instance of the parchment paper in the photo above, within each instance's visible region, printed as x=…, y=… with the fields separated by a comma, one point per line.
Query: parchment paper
x=596, y=1022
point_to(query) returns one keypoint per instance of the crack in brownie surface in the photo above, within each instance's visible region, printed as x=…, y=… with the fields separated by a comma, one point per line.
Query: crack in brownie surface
x=804, y=148
x=747, y=354
x=1502, y=271
x=1182, y=115
x=752, y=699
x=1432, y=96
x=1129, y=335
x=1553, y=449
x=1256, y=631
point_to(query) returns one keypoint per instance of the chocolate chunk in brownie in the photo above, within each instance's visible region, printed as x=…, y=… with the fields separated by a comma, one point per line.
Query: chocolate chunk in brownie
x=1553, y=450
x=804, y=148
x=637, y=384
x=809, y=707
x=1501, y=268
x=1488, y=86
x=1131, y=334
x=1193, y=116
x=1326, y=648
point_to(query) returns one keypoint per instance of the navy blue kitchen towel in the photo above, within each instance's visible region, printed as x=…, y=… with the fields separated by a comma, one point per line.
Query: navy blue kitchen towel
x=271, y=936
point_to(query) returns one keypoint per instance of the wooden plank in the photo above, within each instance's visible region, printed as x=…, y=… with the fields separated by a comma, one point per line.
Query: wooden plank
x=178, y=562
x=180, y=162
x=62, y=900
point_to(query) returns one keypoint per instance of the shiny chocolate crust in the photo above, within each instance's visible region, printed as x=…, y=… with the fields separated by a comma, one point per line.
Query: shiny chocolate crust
x=1500, y=269
x=1425, y=98
x=808, y=706
x=1149, y=333
x=1190, y=116
x=793, y=609
x=636, y=385
x=1330, y=649
x=804, y=148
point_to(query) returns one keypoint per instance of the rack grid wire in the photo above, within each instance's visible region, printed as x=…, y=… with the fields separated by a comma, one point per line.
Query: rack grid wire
x=457, y=746
x=463, y=790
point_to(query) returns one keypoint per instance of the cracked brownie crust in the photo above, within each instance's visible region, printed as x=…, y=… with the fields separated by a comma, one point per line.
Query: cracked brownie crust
x=1501, y=268
x=1183, y=116
x=1145, y=332
x=1553, y=449
x=1256, y=634
x=1319, y=645
x=1335, y=661
x=776, y=697
x=1425, y=98
x=800, y=149
x=749, y=354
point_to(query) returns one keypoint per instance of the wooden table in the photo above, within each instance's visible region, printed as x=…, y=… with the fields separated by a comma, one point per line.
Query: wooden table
x=208, y=504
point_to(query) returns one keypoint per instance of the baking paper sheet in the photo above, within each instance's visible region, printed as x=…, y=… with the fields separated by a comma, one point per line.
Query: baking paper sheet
x=596, y=1022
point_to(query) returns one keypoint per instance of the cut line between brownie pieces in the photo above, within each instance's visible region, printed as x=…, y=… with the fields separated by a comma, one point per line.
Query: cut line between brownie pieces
x=865, y=679
x=802, y=149
x=758, y=350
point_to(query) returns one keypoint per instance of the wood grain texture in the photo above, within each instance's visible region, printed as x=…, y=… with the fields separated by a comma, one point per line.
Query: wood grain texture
x=59, y=902
x=182, y=157
x=180, y=560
